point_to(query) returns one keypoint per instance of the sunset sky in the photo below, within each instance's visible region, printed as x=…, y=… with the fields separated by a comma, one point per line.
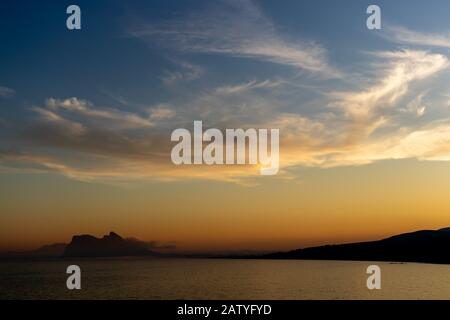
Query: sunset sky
x=86, y=118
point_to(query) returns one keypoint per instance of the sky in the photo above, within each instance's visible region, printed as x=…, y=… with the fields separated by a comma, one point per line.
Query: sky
x=86, y=117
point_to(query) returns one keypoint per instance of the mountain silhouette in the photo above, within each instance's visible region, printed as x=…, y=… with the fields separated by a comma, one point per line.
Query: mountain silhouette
x=111, y=245
x=429, y=246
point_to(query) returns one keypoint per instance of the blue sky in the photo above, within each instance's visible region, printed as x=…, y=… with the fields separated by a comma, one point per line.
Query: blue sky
x=113, y=91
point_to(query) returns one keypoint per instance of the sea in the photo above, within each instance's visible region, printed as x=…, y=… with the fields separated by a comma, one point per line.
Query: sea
x=187, y=279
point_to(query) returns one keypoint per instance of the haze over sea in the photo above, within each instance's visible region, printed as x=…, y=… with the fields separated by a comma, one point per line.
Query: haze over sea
x=154, y=278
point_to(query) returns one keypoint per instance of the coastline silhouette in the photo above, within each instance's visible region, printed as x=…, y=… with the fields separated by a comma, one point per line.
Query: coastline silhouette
x=428, y=246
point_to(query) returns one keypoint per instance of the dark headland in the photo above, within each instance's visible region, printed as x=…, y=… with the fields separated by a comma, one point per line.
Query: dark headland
x=427, y=246
x=111, y=245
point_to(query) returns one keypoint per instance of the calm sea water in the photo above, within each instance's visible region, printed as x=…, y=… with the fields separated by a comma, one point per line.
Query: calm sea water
x=144, y=278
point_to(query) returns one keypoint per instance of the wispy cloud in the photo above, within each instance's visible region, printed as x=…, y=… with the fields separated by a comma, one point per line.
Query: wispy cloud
x=120, y=118
x=367, y=107
x=401, y=68
x=430, y=143
x=335, y=140
x=70, y=127
x=161, y=112
x=417, y=106
x=407, y=36
x=250, y=85
x=6, y=92
x=186, y=72
x=240, y=29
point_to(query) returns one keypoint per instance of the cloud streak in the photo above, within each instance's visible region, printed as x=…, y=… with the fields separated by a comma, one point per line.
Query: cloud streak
x=187, y=72
x=369, y=108
x=6, y=92
x=239, y=29
x=404, y=35
x=87, y=109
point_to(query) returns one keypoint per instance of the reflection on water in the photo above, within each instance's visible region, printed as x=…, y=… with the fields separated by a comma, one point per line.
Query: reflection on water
x=144, y=278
